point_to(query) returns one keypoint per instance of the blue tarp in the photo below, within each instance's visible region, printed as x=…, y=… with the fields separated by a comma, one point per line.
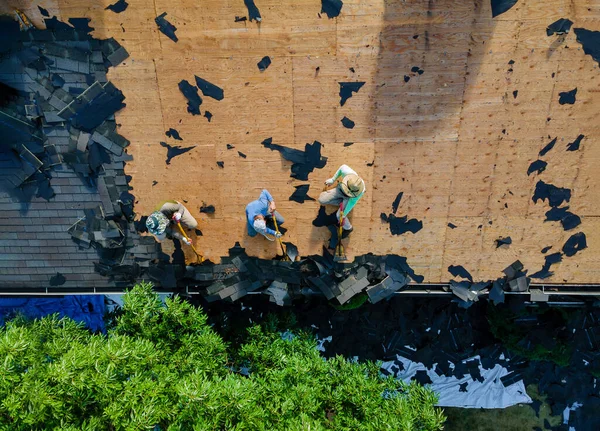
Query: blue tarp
x=88, y=309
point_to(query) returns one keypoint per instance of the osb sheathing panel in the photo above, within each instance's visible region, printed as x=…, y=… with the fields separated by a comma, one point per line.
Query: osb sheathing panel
x=455, y=139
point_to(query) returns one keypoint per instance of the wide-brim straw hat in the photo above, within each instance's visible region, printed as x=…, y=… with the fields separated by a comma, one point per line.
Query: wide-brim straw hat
x=352, y=185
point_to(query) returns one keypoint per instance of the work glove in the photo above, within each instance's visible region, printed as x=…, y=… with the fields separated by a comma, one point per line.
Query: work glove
x=329, y=182
x=278, y=234
x=187, y=241
x=177, y=217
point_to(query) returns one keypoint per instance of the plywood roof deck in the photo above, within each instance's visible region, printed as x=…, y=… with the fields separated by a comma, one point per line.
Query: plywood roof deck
x=455, y=140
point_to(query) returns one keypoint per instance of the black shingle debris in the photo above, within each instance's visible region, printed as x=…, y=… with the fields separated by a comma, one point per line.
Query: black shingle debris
x=538, y=167
x=460, y=271
x=209, y=89
x=548, y=147
x=240, y=19
x=303, y=162
x=501, y=6
x=191, y=94
x=291, y=250
x=323, y=219
x=546, y=249
x=166, y=27
x=574, y=244
x=43, y=11
x=555, y=195
x=567, y=219
x=496, y=294
x=118, y=7
x=242, y=155
x=417, y=69
x=515, y=93
x=558, y=27
x=331, y=7
x=452, y=226
x=207, y=209
x=348, y=144
x=348, y=123
x=264, y=63
x=400, y=225
x=567, y=97
x=57, y=280
x=174, y=151
x=406, y=78
x=590, y=41
x=346, y=90
x=230, y=147
x=174, y=134
x=300, y=194
x=221, y=164
x=549, y=260
x=574, y=146
x=396, y=202
x=208, y=115
x=253, y=12
x=503, y=241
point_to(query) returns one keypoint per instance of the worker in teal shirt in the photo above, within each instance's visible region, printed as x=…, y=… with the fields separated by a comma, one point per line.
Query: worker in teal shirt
x=348, y=192
x=258, y=212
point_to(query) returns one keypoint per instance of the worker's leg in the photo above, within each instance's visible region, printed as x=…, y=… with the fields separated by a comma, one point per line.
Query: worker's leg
x=331, y=197
x=187, y=220
x=347, y=225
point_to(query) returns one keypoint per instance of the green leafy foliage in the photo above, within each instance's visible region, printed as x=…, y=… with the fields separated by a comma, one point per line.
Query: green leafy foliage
x=162, y=367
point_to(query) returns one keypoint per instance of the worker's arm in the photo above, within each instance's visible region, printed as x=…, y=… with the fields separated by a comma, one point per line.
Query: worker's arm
x=170, y=208
x=350, y=204
x=342, y=171
x=266, y=196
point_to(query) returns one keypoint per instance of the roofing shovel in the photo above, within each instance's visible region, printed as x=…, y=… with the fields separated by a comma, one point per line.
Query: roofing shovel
x=340, y=254
x=198, y=256
x=286, y=257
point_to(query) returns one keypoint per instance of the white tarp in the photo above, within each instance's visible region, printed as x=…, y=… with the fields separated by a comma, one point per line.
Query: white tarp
x=489, y=394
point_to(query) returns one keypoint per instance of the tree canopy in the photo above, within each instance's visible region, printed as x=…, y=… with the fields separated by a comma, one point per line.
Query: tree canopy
x=162, y=367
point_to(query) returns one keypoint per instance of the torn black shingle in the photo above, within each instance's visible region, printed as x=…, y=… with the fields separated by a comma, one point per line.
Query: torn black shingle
x=207, y=209
x=191, y=94
x=538, y=167
x=304, y=162
x=549, y=260
x=548, y=147
x=567, y=97
x=253, y=12
x=396, y=202
x=558, y=27
x=209, y=89
x=57, y=280
x=546, y=249
x=118, y=7
x=347, y=144
x=300, y=194
x=221, y=164
x=460, y=271
x=166, y=27
x=515, y=93
x=501, y=6
x=331, y=7
x=43, y=11
x=574, y=146
x=503, y=241
x=174, y=151
x=567, y=219
x=242, y=155
x=400, y=225
x=346, y=90
x=172, y=133
x=208, y=115
x=574, y=244
x=240, y=18
x=348, y=123
x=264, y=63
x=452, y=226
x=590, y=41
x=555, y=195
x=324, y=219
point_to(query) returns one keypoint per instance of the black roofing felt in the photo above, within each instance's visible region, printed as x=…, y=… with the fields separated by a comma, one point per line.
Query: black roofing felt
x=555, y=195
x=207, y=209
x=208, y=115
x=590, y=41
x=240, y=18
x=348, y=123
x=166, y=27
x=43, y=11
x=546, y=249
x=400, y=225
x=396, y=202
x=567, y=218
x=567, y=97
x=331, y=7
x=515, y=93
x=118, y=7
x=550, y=260
x=574, y=244
x=242, y=155
x=303, y=162
x=460, y=271
x=452, y=226
x=264, y=63
x=300, y=194
x=172, y=133
x=174, y=151
x=253, y=12
x=191, y=94
x=324, y=219
x=558, y=27
x=538, y=167
x=347, y=89
x=503, y=241
x=209, y=89
x=348, y=144
x=548, y=147
x=57, y=280
x=574, y=146
x=501, y=6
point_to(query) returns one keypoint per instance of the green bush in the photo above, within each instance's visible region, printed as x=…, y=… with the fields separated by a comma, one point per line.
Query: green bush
x=162, y=367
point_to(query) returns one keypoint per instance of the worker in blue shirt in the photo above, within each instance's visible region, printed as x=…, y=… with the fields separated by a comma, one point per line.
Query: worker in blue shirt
x=257, y=214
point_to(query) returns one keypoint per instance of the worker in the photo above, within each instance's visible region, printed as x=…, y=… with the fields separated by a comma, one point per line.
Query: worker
x=159, y=223
x=258, y=212
x=348, y=192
